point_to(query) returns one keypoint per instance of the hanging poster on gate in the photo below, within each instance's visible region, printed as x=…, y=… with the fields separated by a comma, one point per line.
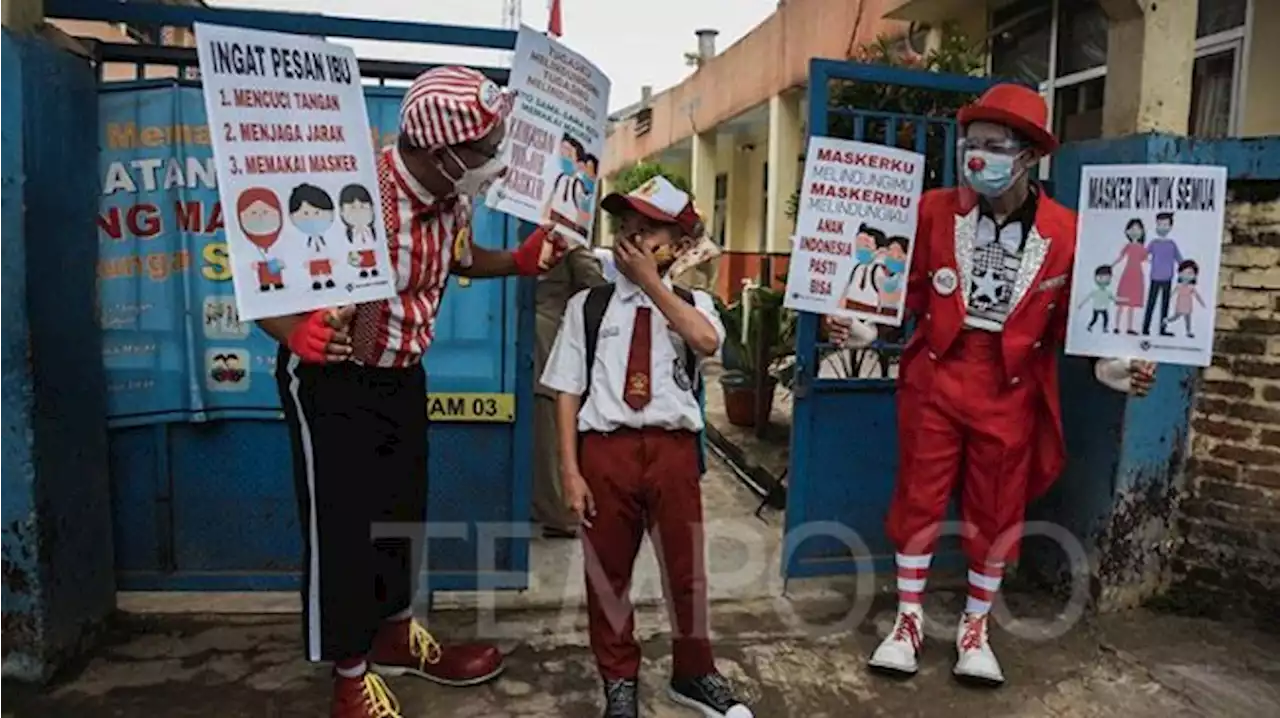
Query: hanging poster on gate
x=296, y=172
x=1145, y=281
x=555, y=137
x=855, y=230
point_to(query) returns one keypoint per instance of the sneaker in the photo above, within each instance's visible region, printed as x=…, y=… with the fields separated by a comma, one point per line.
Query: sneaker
x=363, y=697
x=899, y=653
x=711, y=695
x=976, y=662
x=620, y=699
x=407, y=648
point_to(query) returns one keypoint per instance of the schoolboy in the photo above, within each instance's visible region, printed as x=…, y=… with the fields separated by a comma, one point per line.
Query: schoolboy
x=629, y=419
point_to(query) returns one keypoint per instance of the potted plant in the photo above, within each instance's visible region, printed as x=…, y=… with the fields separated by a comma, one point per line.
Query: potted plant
x=745, y=374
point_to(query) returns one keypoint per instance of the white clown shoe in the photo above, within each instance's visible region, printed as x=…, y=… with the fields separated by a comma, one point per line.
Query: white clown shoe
x=899, y=652
x=976, y=662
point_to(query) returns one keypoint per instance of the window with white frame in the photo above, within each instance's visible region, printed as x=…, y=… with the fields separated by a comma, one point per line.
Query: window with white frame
x=1061, y=46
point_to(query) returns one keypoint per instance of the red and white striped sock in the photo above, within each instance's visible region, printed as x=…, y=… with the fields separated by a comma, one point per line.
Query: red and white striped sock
x=913, y=571
x=984, y=584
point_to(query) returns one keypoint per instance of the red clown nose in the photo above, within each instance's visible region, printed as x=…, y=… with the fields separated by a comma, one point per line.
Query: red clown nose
x=976, y=164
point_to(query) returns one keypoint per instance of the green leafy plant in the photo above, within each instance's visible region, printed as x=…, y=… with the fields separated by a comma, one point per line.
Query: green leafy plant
x=769, y=321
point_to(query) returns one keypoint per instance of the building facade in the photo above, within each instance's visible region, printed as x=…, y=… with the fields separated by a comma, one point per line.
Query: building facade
x=735, y=127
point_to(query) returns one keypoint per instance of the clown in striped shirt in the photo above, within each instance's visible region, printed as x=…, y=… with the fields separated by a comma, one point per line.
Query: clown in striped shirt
x=353, y=390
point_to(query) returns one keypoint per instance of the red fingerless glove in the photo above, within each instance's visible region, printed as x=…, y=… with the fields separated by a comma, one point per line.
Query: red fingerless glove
x=309, y=339
x=528, y=256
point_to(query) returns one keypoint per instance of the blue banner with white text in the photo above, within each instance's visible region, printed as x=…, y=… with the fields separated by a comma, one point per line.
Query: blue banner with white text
x=173, y=345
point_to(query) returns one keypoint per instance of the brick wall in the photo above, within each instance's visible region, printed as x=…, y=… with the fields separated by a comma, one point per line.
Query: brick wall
x=1230, y=552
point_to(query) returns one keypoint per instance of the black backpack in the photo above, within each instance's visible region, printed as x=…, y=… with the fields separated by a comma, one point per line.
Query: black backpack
x=593, y=314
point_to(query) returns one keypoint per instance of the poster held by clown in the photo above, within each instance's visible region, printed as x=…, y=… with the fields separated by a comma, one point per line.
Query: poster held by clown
x=555, y=138
x=288, y=124
x=1145, y=277
x=857, y=217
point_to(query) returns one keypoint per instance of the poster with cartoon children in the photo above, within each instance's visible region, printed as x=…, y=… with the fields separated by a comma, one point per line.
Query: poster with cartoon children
x=858, y=210
x=555, y=137
x=288, y=159
x=1146, y=270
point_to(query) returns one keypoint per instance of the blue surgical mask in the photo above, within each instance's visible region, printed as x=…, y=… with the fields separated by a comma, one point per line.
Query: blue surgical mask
x=1163, y=231
x=566, y=166
x=996, y=176
x=314, y=226
x=891, y=285
x=864, y=256
x=589, y=185
x=895, y=265
x=1186, y=280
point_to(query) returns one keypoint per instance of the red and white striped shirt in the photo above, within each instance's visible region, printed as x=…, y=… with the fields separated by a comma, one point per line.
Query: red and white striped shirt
x=426, y=238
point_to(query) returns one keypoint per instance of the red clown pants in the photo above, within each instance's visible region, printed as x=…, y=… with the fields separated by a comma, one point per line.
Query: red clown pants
x=961, y=418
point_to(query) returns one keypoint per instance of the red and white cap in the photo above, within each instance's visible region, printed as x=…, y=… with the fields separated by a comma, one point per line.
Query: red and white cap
x=659, y=200
x=451, y=106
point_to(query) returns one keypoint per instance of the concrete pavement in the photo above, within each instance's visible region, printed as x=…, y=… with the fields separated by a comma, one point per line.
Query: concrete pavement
x=1131, y=666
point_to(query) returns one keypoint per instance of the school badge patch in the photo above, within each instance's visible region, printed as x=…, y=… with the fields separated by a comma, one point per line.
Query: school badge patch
x=680, y=372
x=638, y=385
x=648, y=189
x=945, y=281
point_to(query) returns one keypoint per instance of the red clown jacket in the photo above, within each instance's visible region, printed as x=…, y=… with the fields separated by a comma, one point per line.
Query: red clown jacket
x=937, y=295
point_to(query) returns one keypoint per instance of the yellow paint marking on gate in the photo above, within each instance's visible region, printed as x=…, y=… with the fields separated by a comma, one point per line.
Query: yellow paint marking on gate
x=471, y=407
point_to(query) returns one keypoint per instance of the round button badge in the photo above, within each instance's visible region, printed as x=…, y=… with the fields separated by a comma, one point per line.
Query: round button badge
x=489, y=96
x=945, y=281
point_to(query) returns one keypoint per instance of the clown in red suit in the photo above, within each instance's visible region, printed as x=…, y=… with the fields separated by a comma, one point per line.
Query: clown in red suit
x=978, y=396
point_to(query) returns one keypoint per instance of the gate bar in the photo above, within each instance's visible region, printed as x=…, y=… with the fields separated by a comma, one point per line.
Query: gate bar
x=139, y=13
x=184, y=57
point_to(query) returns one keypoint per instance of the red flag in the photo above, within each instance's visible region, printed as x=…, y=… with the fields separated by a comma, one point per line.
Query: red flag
x=554, y=27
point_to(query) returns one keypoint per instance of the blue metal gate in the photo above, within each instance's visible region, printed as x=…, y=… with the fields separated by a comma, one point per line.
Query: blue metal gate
x=202, y=492
x=844, y=439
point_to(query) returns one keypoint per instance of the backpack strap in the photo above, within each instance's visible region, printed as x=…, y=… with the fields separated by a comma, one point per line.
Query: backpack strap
x=695, y=381
x=690, y=358
x=592, y=316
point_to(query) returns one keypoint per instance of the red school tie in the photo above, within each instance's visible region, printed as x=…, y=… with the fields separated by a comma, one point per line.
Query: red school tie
x=638, y=391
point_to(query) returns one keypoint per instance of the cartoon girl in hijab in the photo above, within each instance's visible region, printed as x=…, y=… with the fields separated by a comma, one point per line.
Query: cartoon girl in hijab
x=355, y=208
x=261, y=219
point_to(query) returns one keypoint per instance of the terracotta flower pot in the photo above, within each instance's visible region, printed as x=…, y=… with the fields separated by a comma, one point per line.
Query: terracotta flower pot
x=740, y=398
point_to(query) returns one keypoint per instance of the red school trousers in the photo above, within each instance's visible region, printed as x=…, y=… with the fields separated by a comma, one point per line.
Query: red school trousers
x=964, y=419
x=645, y=479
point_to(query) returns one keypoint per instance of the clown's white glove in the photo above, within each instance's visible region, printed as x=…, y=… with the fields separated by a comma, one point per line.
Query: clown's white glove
x=1115, y=373
x=850, y=333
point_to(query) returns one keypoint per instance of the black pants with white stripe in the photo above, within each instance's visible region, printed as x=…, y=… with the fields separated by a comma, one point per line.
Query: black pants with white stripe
x=359, y=439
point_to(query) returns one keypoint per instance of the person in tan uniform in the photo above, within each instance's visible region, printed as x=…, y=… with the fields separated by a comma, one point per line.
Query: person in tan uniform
x=578, y=271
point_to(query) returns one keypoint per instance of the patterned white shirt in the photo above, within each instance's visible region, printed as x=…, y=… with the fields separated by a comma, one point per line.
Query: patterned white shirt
x=997, y=256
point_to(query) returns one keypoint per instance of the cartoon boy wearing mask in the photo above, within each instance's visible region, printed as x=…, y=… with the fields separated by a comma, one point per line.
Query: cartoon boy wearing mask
x=311, y=211
x=862, y=293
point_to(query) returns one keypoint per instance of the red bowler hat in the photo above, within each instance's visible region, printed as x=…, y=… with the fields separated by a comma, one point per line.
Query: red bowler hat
x=1017, y=107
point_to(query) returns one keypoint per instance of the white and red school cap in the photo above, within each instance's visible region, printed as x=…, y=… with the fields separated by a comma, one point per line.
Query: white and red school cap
x=452, y=105
x=659, y=200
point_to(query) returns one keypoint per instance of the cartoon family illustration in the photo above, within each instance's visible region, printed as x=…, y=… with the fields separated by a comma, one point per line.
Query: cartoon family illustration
x=1171, y=279
x=573, y=194
x=311, y=210
x=878, y=279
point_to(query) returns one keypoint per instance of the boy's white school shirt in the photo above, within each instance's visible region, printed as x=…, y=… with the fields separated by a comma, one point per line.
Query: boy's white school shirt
x=672, y=405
